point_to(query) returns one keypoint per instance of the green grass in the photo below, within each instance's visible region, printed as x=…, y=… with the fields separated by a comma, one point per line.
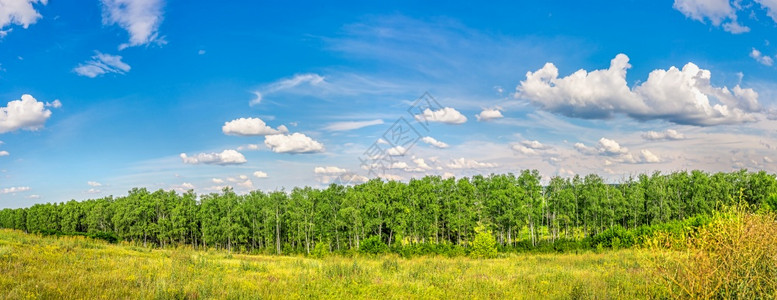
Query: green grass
x=78, y=268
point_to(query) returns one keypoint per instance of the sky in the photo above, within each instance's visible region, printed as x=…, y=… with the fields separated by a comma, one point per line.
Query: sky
x=99, y=97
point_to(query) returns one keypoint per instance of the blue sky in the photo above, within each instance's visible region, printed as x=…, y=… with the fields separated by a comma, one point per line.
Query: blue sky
x=99, y=97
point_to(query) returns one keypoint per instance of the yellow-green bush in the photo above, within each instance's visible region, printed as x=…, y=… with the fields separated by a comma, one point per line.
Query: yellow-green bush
x=734, y=257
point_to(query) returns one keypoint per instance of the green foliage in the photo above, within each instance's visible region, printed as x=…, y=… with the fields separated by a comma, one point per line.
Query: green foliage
x=321, y=250
x=770, y=204
x=614, y=237
x=424, y=216
x=373, y=245
x=484, y=244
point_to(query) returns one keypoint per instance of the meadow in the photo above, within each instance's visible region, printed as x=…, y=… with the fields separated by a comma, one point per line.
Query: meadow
x=46, y=267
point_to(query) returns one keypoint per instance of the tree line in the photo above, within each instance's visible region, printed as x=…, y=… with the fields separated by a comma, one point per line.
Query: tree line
x=518, y=209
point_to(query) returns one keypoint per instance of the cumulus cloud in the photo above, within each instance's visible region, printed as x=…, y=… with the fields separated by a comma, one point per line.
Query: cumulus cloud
x=250, y=127
x=217, y=180
x=140, y=18
x=489, y=114
x=649, y=157
x=611, y=147
x=27, y=114
x=226, y=157
x=345, y=126
x=431, y=141
x=101, y=64
x=523, y=149
x=329, y=170
x=760, y=58
x=718, y=12
x=682, y=96
x=669, y=134
x=287, y=83
x=249, y=147
x=421, y=163
x=396, y=151
x=534, y=145
x=617, y=153
x=93, y=183
x=445, y=115
x=463, y=163
x=18, y=12
x=582, y=148
x=4, y=153
x=260, y=174
x=15, y=189
x=292, y=143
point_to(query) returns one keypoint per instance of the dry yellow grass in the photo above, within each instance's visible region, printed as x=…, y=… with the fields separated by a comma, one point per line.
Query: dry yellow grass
x=78, y=268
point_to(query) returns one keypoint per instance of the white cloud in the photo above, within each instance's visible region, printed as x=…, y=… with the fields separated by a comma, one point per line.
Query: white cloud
x=489, y=114
x=523, y=149
x=140, y=18
x=329, y=170
x=771, y=8
x=534, y=145
x=226, y=157
x=248, y=147
x=187, y=186
x=767, y=159
x=33, y=197
x=200, y=52
x=582, y=148
x=288, y=83
x=463, y=163
x=27, y=113
x=445, y=115
x=611, y=147
x=4, y=153
x=292, y=143
x=649, y=157
x=260, y=174
x=18, y=12
x=421, y=163
x=762, y=59
x=431, y=141
x=247, y=184
x=716, y=11
x=682, y=96
x=250, y=127
x=54, y=104
x=382, y=141
x=101, y=64
x=15, y=189
x=93, y=183
x=399, y=165
x=396, y=151
x=217, y=180
x=669, y=134
x=93, y=191
x=345, y=126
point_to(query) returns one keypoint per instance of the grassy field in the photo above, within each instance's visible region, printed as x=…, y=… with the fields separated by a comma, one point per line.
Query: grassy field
x=79, y=268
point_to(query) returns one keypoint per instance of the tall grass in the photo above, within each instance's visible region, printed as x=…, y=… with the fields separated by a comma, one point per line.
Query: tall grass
x=734, y=257
x=79, y=268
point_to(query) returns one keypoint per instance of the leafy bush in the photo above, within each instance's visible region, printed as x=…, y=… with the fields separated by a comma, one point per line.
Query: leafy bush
x=373, y=245
x=321, y=250
x=614, y=237
x=484, y=245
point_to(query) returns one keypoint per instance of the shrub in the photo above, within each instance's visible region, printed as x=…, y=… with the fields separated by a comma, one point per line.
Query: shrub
x=321, y=250
x=614, y=237
x=732, y=258
x=373, y=245
x=484, y=245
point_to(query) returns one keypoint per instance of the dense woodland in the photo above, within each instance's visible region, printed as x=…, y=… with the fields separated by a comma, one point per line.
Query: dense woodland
x=430, y=210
